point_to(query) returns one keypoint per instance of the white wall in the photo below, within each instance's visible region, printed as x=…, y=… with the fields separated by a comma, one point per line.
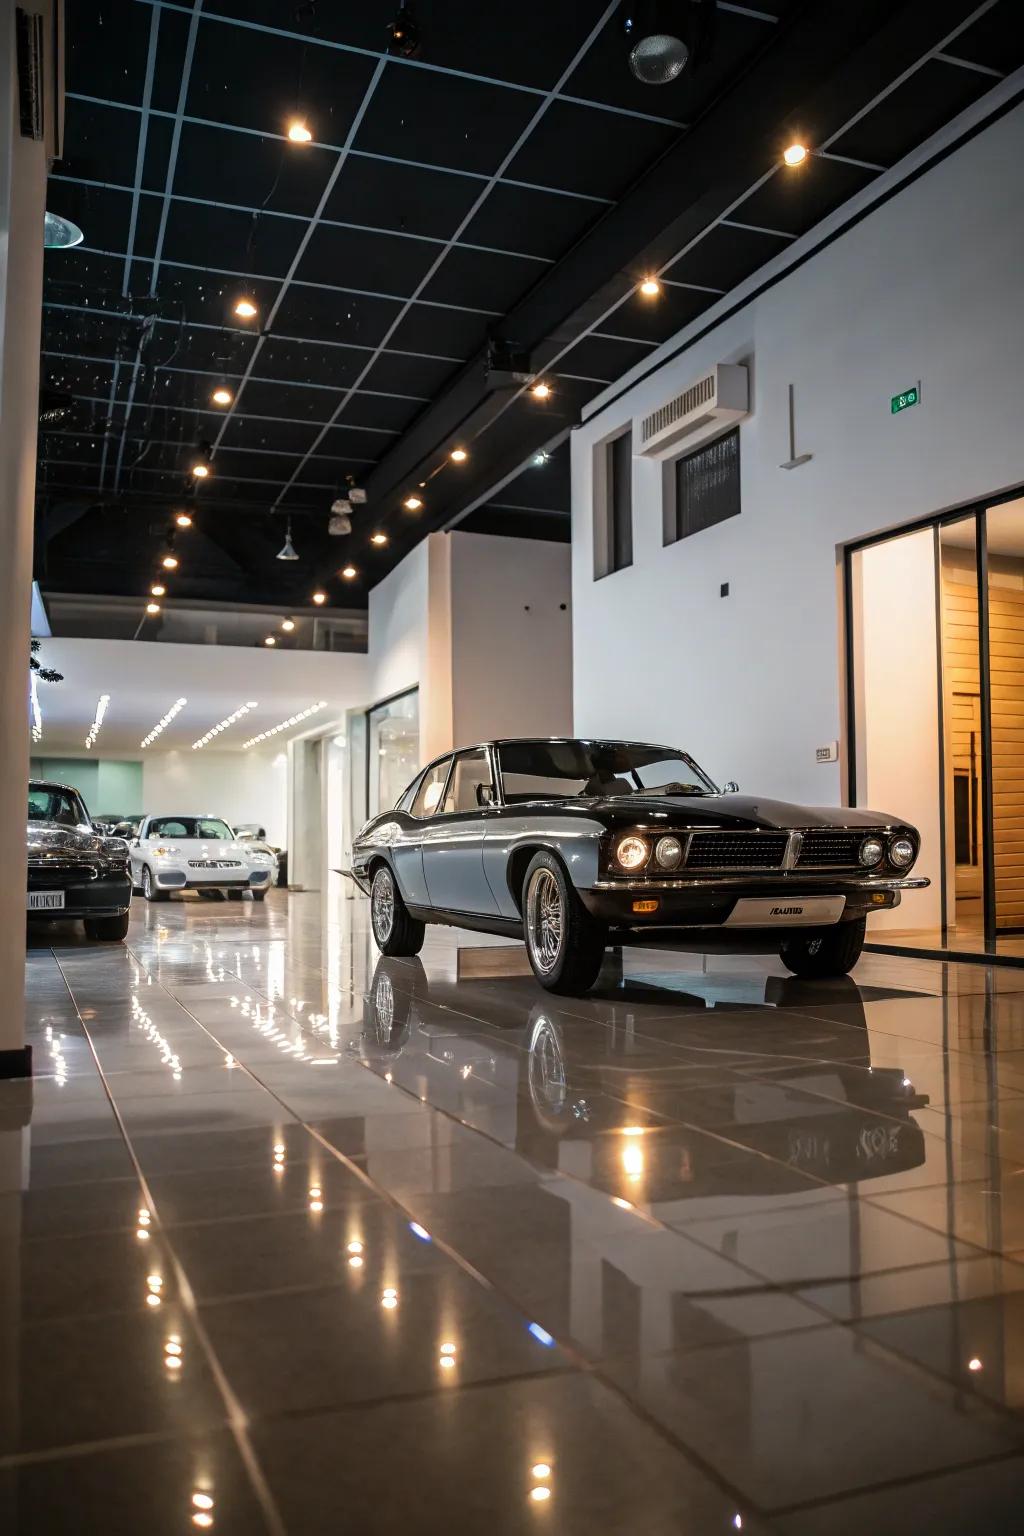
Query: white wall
x=929, y=287
x=239, y=786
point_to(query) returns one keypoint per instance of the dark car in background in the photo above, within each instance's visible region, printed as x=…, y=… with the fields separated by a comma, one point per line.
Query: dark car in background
x=574, y=844
x=73, y=870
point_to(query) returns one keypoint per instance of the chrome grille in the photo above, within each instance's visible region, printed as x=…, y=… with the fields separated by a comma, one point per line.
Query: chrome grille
x=831, y=848
x=53, y=874
x=737, y=850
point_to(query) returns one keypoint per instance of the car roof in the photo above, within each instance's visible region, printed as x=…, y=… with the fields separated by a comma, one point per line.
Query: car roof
x=53, y=784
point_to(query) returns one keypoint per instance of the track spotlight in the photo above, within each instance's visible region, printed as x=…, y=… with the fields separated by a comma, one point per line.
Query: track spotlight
x=183, y=520
x=245, y=308
x=349, y=572
x=319, y=598
x=795, y=154
x=380, y=539
x=404, y=34
x=412, y=503
x=152, y=607
x=299, y=133
x=222, y=395
x=270, y=640
x=459, y=455
x=201, y=469
x=169, y=562
x=540, y=390
x=287, y=550
x=157, y=589
x=658, y=51
x=650, y=288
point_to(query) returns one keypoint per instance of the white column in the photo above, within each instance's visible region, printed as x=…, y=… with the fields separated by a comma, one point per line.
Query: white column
x=22, y=204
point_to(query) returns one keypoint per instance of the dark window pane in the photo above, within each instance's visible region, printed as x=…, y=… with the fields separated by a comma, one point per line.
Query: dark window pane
x=620, y=502
x=708, y=485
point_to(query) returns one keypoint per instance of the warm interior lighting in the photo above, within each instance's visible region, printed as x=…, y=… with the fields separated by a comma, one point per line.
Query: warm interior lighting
x=795, y=154
x=540, y=1470
x=319, y=598
x=158, y=589
x=245, y=309
x=169, y=562
x=379, y=539
x=270, y=640
x=202, y=1501
x=356, y=1247
x=650, y=287
x=459, y=455
x=348, y=571
x=412, y=503
x=974, y=1364
x=541, y=391
x=540, y=1495
x=152, y=607
x=200, y=469
x=287, y=625
x=299, y=133
x=222, y=396
x=183, y=520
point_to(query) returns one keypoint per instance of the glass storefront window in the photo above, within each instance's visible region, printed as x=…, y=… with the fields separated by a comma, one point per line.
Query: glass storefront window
x=393, y=747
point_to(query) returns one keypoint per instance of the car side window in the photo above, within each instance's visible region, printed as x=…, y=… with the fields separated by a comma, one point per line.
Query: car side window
x=428, y=796
x=470, y=785
x=406, y=801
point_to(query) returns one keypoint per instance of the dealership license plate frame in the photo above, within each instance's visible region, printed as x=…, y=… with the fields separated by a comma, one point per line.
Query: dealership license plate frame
x=786, y=912
x=45, y=901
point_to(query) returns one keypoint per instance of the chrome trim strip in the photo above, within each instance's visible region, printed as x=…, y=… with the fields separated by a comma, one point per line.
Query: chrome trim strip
x=782, y=878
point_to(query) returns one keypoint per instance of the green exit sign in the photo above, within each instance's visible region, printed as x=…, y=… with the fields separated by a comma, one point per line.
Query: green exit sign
x=905, y=400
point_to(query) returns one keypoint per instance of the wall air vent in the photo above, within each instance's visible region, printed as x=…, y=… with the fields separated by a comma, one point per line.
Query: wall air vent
x=709, y=407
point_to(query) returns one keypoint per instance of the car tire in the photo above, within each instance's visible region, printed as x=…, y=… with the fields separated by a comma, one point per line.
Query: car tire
x=109, y=929
x=564, y=943
x=259, y=895
x=394, y=931
x=824, y=951
x=149, y=889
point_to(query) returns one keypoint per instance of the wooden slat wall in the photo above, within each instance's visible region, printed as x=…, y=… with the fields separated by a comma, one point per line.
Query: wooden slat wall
x=1006, y=654
x=962, y=702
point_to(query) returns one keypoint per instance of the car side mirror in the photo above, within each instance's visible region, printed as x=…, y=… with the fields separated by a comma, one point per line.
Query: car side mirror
x=732, y=788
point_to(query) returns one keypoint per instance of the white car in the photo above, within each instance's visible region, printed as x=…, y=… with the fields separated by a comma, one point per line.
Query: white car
x=196, y=853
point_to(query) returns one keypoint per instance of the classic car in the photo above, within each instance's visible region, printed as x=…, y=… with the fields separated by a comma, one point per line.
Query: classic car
x=197, y=853
x=113, y=823
x=74, y=871
x=576, y=844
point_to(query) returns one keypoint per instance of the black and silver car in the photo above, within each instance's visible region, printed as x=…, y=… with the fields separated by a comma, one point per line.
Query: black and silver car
x=574, y=845
x=73, y=870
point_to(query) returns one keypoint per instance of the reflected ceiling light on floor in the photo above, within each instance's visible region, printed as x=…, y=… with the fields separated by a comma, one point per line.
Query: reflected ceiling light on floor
x=164, y=722
x=541, y=391
x=650, y=288
x=287, y=550
x=299, y=133
x=314, y=709
x=349, y=572
x=245, y=309
x=795, y=154
x=222, y=725
x=658, y=53
x=380, y=539
x=319, y=598
x=540, y=1470
x=459, y=455
x=183, y=520
x=413, y=503
x=222, y=396
x=60, y=234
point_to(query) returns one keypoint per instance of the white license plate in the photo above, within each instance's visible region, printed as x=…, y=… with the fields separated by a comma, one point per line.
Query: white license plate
x=785, y=911
x=45, y=901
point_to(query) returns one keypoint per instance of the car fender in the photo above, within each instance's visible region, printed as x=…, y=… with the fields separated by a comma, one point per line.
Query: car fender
x=511, y=842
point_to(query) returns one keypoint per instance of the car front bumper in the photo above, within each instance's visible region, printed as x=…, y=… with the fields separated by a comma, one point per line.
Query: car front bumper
x=170, y=878
x=107, y=896
x=709, y=903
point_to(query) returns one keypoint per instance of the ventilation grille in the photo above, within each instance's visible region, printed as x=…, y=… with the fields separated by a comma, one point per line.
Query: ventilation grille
x=698, y=394
x=737, y=850
x=712, y=404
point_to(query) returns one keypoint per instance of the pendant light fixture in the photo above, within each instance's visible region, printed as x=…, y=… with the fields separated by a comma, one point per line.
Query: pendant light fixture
x=287, y=551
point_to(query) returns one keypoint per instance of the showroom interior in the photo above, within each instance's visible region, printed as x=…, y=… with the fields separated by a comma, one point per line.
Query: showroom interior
x=425, y=428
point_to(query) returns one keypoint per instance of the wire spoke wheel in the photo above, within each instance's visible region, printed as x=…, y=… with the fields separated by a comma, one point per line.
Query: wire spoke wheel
x=383, y=906
x=545, y=920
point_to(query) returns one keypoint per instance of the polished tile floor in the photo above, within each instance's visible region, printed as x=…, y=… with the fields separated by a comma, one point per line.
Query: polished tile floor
x=296, y=1239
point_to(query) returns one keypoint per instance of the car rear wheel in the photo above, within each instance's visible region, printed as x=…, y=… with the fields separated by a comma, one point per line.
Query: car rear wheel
x=395, y=932
x=564, y=943
x=110, y=929
x=149, y=889
x=824, y=951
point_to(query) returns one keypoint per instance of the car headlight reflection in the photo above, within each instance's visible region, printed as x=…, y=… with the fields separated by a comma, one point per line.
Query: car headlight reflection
x=901, y=852
x=669, y=852
x=632, y=852
x=871, y=852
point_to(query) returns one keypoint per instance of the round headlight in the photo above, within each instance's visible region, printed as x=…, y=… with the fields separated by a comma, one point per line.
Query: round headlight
x=871, y=852
x=668, y=852
x=632, y=852
x=901, y=852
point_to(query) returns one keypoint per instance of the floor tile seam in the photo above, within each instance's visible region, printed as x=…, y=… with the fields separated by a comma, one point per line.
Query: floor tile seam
x=892, y=1485
x=707, y=1469
x=875, y=1200
x=234, y=1412
x=79, y=1448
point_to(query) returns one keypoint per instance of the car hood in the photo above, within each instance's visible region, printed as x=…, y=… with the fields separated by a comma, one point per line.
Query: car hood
x=45, y=837
x=204, y=848
x=737, y=811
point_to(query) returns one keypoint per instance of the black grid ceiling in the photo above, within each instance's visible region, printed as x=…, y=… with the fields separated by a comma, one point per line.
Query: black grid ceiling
x=177, y=170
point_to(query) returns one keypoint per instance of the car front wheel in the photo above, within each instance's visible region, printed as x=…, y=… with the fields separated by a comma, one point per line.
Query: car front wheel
x=564, y=943
x=395, y=932
x=110, y=929
x=824, y=951
x=149, y=889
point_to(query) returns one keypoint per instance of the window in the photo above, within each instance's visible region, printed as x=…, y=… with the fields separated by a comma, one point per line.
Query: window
x=613, y=505
x=393, y=749
x=428, y=796
x=190, y=827
x=470, y=784
x=558, y=770
x=48, y=803
x=703, y=488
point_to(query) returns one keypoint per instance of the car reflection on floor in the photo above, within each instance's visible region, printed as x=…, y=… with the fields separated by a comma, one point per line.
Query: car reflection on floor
x=655, y=1118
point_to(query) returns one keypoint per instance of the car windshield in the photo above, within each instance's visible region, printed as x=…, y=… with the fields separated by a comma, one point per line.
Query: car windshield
x=190, y=826
x=564, y=770
x=48, y=802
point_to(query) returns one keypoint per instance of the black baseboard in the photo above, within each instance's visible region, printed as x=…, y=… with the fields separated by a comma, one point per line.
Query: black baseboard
x=16, y=1063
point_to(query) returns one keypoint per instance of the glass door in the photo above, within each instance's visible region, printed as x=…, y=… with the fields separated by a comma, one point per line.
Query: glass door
x=963, y=730
x=1003, y=632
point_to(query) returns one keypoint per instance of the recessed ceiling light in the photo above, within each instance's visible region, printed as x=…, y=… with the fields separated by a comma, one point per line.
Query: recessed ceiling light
x=288, y=625
x=222, y=396
x=170, y=562
x=650, y=287
x=153, y=607
x=540, y=390
x=540, y=459
x=348, y=571
x=245, y=309
x=222, y=725
x=299, y=133
x=200, y=469
x=319, y=598
x=314, y=709
x=413, y=503
x=459, y=455
x=795, y=154
x=183, y=520
x=158, y=589
x=270, y=640
x=378, y=538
